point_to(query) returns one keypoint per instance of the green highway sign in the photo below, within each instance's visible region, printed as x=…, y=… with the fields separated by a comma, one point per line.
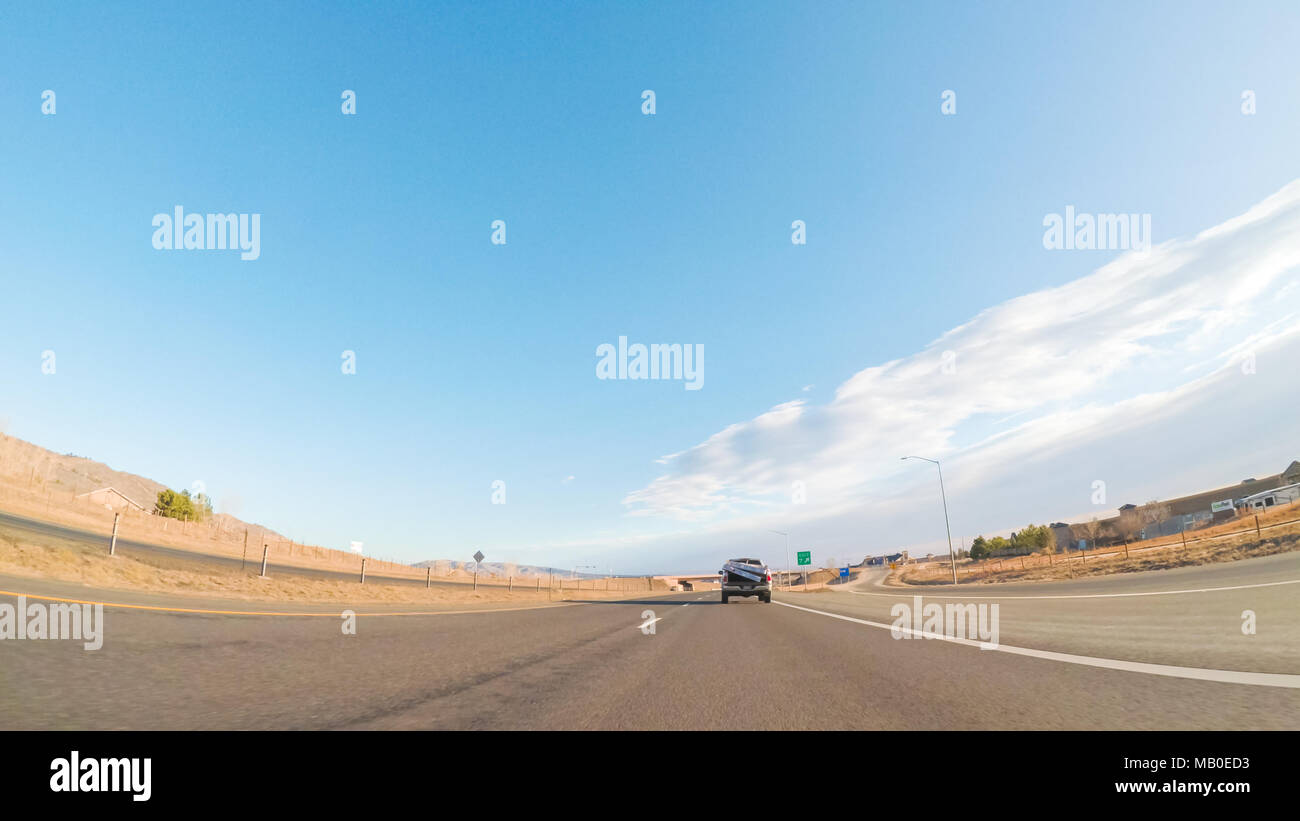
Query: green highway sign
x=805, y=557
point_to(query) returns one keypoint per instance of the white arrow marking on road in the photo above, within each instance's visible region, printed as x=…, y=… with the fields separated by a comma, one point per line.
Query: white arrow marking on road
x=655, y=619
x=1201, y=673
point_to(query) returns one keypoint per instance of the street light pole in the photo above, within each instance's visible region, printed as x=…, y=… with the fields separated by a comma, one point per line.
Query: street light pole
x=943, y=495
x=787, y=554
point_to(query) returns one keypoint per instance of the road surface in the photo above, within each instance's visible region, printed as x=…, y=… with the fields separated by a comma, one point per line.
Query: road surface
x=685, y=661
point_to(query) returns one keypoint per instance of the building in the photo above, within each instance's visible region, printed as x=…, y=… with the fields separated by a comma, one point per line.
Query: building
x=1185, y=512
x=1291, y=475
x=1221, y=504
x=113, y=499
x=1065, y=538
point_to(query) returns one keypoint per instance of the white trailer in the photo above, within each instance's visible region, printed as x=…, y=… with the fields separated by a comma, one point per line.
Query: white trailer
x=1268, y=499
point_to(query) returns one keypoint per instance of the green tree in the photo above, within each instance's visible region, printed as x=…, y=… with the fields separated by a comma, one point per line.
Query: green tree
x=1034, y=538
x=182, y=506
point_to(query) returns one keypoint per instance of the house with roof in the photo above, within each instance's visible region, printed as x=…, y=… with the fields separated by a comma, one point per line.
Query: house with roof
x=1183, y=513
x=1291, y=476
x=113, y=499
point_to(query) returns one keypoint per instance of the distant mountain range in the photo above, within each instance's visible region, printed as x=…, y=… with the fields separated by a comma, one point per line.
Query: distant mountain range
x=506, y=569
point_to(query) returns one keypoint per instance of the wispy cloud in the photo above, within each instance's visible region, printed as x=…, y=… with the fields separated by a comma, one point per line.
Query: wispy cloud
x=1081, y=361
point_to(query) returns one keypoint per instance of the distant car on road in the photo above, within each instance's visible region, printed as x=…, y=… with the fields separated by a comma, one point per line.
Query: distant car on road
x=746, y=577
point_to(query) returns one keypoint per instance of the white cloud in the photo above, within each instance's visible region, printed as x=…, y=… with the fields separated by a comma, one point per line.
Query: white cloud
x=1084, y=361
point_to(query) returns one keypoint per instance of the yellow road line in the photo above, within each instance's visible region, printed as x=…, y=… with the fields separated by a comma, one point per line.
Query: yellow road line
x=162, y=609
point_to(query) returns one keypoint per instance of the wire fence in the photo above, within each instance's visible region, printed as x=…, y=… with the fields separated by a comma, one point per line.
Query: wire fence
x=31, y=496
x=1256, y=524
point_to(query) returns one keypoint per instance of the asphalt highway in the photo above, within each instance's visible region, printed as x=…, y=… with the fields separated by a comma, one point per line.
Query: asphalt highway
x=1158, y=650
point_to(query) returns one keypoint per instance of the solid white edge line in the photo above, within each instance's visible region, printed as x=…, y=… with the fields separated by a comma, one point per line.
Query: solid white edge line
x=1199, y=673
x=918, y=591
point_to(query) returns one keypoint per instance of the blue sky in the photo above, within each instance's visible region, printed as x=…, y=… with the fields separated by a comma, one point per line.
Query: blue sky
x=476, y=362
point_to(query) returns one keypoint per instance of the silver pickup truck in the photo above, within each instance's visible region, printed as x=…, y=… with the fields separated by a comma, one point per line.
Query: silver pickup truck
x=746, y=577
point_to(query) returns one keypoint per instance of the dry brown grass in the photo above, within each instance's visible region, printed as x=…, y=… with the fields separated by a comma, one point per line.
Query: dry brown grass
x=220, y=538
x=70, y=561
x=1066, y=566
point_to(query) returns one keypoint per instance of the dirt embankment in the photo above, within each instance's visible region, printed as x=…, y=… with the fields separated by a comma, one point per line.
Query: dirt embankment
x=818, y=580
x=90, y=565
x=224, y=536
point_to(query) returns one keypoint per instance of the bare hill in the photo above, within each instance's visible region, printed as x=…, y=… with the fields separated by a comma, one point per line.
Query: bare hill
x=32, y=465
x=25, y=461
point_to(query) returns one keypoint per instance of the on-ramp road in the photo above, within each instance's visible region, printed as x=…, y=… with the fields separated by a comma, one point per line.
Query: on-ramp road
x=1161, y=650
